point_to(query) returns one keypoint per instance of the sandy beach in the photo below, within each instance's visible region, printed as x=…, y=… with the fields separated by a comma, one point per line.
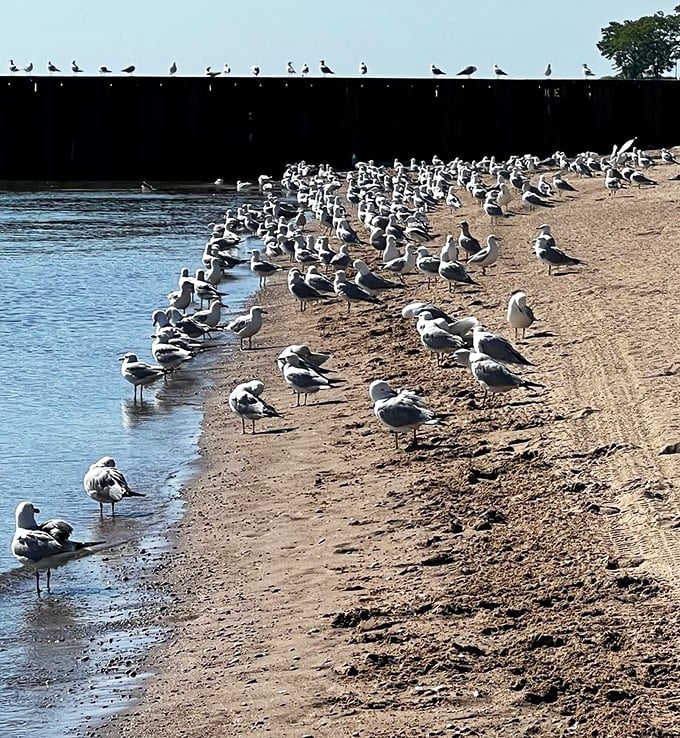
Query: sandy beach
x=515, y=574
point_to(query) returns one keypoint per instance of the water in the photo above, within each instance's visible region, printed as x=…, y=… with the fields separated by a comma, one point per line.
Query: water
x=81, y=272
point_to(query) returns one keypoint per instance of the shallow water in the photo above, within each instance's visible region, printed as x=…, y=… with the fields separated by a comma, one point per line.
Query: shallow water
x=81, y=271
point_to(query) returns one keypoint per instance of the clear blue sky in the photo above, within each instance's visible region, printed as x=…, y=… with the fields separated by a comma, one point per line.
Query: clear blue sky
x=394, y=37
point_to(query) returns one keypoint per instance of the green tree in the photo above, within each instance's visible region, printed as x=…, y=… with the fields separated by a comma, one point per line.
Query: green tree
x=646, y=47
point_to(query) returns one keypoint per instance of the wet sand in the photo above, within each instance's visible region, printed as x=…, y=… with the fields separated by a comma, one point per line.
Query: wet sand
x=513, y=575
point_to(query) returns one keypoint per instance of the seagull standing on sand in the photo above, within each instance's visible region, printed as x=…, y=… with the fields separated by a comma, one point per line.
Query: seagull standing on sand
x=350, y=292
x=325, y=69
x=546, y=251
x=520, y=316
x=139, y=373
x=496, y=347
x=499, y=72
x=436, y=71
x=246, y=402
x=492, y=376
x=399, y=412
x=246, y=326
x=46, y=545
x=587, y=71
x=467, y=71
x=106, y=484
x=486, y=256
x=302, y=379
x=302, y=291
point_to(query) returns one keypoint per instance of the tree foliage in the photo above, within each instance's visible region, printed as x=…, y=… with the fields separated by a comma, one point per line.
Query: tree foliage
x=646, y=47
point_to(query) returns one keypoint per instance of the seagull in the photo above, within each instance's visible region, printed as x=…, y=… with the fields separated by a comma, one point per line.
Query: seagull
x=467, y=71
x=498, y=71
x=363, y=69
x=436, y=71
x=640, y=179
x=169, y=356
x=139, y=373
x=45, y=545
x=453, y=271
x=246, y=326
x=210, y=73
x=372, y=283
x=496, y=347
x=303, y=380
x=246, y=402
x=587, y=71
x=548, y=70
x=466, y=241
x=399, y=412
x=309, y=359
x=548, y=253
x=531, y=200
x=561, y=185
x=173, y=69
x=103, y=69
x=106, y=484
x=350, y=292
x=325, y=69
x=612, y=181
x=13, y=67
x=486, y=256
x=519, y=315
x=436, y=338
x=227, y=69
x=302, y=291
x=28, y=68
x=75, y=68
x=128, y=70
x=255, y=70
x=263, y=269
x=51, y=68
x=491, y=375
x=304, y=70
x=667, y=157
x=402, y=265
x=290, y=68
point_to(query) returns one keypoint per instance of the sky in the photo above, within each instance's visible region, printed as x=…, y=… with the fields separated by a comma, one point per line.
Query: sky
x=395, y=38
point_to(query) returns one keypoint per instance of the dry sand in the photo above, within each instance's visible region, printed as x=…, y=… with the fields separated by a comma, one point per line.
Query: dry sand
x=514, y=575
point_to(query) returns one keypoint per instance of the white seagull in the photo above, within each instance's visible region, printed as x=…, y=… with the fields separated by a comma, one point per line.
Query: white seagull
x=246, y=326
x=46, y=545
x=106, y=484
x=263, y=269
x=245, y=401
x=492, y=376
x=399, y=412
x=303, y=380
x=139, y=373
x=519, y=315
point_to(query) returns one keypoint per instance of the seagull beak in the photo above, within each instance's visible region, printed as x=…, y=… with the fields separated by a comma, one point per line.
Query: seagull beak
x=36, y=509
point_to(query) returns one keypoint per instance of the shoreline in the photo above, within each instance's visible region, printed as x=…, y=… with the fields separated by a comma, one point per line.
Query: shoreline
x=329, y=585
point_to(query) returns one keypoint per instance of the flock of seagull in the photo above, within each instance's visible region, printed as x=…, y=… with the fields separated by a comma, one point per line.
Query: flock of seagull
x=255, y=70
x=369, y=215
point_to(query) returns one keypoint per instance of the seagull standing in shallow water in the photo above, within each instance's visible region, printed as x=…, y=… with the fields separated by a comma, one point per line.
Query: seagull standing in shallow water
x=45, y=545
x=139, y=373
x=106, y=484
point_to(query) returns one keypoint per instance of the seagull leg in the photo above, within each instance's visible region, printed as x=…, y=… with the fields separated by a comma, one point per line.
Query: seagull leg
x=415, y=438
x=297, y=404
x=49, y=574
x=101, y=510
x=349, y=305
x=113, y=511
x=396, y=441
x=37, y=581
x=243, y=426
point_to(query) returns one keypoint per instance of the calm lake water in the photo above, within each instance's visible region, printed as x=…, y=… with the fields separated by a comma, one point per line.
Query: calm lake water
x=81, y=271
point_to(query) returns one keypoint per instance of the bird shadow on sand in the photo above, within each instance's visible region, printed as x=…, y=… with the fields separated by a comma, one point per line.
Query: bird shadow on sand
x=542, y=334
x=565, y=273
x=323, y=402
x=275, y=431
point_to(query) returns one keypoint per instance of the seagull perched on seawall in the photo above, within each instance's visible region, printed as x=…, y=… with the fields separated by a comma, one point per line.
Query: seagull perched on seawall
x=587, y=72
x=13, y=67
x=467, y=71
x=75, y=68
x=499, y=72
x=128, y=70
x=106, y=484
x=436, y=71
x=139, y=373
x=548, y=70
x=519, y=315
x=399, y=412
x=103, y=69
x=47, y=545
x=28, y=68
x=173, y=69
x=51, y=68
x=210, y=73
x=290, y=69
x=325, y=69
x=363, y=69
x=304, y=70
x=245, y=400
x=246, y=326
